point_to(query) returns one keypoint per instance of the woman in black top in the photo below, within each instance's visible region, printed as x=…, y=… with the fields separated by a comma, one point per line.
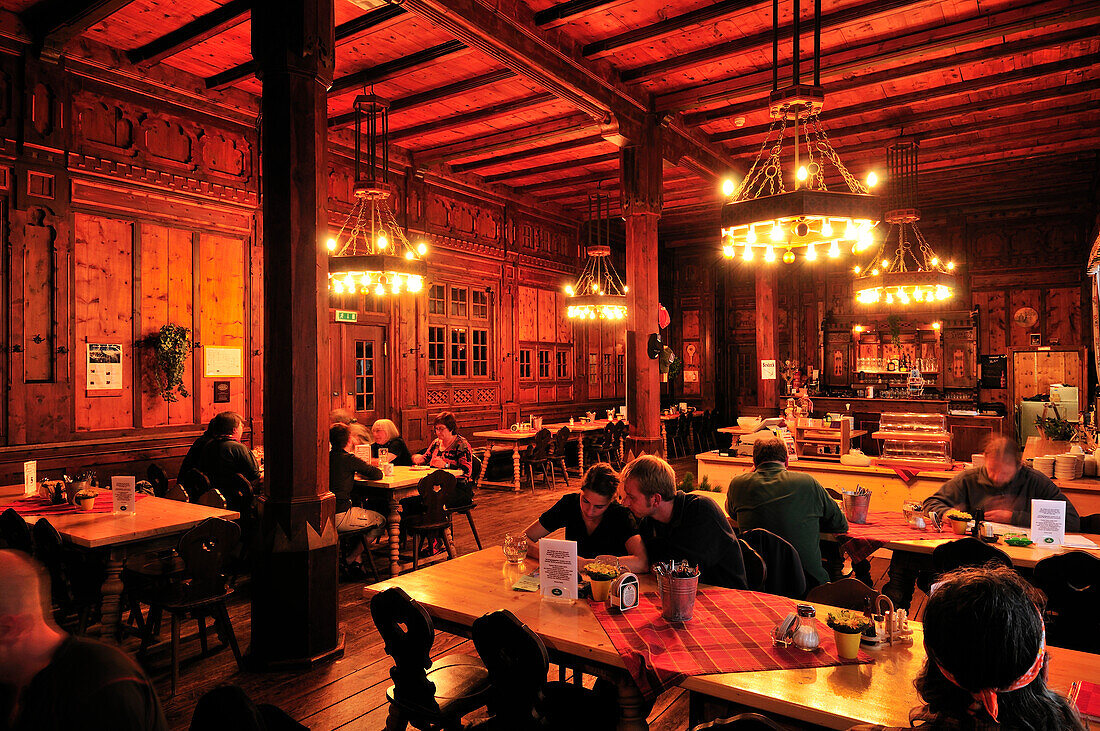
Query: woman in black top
x=343, y=466
x=386, y=436
x=595, y=520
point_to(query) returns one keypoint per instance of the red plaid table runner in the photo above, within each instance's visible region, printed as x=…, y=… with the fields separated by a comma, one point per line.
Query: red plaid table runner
x=40, y=506
x=863, y=539
x=1086, y=696
x=730, y=632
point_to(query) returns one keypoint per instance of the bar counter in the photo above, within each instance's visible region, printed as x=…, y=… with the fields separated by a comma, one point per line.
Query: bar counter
x=889, y=490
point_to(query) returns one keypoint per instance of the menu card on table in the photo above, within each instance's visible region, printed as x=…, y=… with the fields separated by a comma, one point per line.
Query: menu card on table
x=124, y=494
x=30, y=478
x=558, y=569
x=1048, y=523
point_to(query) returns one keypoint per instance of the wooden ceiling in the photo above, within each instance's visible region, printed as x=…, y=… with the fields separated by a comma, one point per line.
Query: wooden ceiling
x=538, y=95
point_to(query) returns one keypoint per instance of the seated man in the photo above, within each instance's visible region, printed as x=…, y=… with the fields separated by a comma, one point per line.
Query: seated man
x=793, y=505
x=680, y=526
x=194, y=452
x=343, y=466
x=1003, y=488
x=62, y=682
x=224, y=455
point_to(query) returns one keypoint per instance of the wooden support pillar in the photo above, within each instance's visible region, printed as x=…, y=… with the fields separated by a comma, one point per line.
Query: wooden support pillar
x=294, y=591
x=641, y=172
x=767, y=333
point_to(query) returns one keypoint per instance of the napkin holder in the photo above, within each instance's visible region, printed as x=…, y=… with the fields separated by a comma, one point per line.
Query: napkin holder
x=624, y=593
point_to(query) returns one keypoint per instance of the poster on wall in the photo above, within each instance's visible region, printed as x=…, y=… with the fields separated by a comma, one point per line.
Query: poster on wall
x=104, y=367
x=221, y=362
x=767, y=370
x=994, y=370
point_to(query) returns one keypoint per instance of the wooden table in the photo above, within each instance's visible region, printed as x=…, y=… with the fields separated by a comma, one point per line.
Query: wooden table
x=402, y=483
x=514, y=439
x=155, y=523
x=457, y=592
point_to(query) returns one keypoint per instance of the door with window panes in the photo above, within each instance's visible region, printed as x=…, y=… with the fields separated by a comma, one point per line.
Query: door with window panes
x=358, y=370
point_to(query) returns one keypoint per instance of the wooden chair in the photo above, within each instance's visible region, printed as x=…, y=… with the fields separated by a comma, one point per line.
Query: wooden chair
x=15, y=533
x=425, y=693
x=740, y=722
x=176, y=492
x=468, y=509
x=538, y=455
x=847, y=593
x=966, y=552
x=1071, y=582
x=200, y=591
x=520, y=696
x=239, y=494
x=785, y=575
x=435, y=490
x=1090, y=523
x=74, y=584
x=557, y=453
x=606, y=448
x=195, y=483
x=228, y=708
x=212, y=498
x=755, y=569
x=157, y=479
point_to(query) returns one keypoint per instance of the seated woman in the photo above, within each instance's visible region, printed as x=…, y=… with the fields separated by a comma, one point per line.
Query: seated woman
x=986, y=667
x=386, y=436
x=343, y=466
x=450, y=451
x=595, y=520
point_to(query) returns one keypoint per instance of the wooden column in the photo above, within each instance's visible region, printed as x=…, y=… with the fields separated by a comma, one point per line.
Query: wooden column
x=767, y=332
x=294, y=592
x=641, y=172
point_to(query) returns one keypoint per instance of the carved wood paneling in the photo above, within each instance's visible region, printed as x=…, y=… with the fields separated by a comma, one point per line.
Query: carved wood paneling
x=221, y=275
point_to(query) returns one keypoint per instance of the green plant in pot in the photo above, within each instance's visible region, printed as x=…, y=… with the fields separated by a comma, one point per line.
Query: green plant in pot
x=170, y=345
x=85, y=499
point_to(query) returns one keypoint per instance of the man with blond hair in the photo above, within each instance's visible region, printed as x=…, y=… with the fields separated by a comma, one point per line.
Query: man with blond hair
x=680, y=526
x=58, y=682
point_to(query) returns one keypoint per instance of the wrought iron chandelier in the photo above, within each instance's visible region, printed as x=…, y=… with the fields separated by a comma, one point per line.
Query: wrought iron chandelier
x=914, y=275
x=599, y=292
x=761, y=215
x=371, y=253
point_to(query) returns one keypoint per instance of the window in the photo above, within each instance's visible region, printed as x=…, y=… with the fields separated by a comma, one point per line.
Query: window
x=458, y=351
x=479, y=355
x=479, y=304
x=620, y=368
x=437, y=352
x=607, y=374
x=525, y=363
x=562, y=361
x=437, y=299
x=544, y=364
x=364, y=375
x=458, y=302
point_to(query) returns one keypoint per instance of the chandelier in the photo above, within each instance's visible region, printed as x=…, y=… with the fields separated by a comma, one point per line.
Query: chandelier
x=371, y=253
x=599, y=292
x=913, y=275
x=761, y=215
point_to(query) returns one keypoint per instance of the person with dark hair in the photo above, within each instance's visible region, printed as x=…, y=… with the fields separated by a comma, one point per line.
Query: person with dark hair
x=224, y=456
x=57, y=682
x=1002, y=489
x=343, y=466
x=680, y=526
x=793, y=505
x=449, y=450
x=595, y=520
x=194, y=453
x=986, y=666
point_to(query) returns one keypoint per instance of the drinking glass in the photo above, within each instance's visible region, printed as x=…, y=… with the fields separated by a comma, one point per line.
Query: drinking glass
x=515, y=547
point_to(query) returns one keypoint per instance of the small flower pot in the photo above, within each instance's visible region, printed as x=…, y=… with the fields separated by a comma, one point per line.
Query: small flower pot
x=87, y=504
x=959, y=526
x=600, y=589
x=847, y=644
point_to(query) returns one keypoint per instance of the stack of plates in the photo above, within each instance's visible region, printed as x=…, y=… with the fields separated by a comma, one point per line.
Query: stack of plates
x=1068, y=466
x=1045, y=465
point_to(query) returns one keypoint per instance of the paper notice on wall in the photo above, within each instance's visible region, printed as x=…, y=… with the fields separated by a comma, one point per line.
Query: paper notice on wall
x=1048, y=523
x=767, y=370
x=691, y=376
x=558, y=569
x=221, y=362
x=124, y=492
x=30, y=478
x=104, y=367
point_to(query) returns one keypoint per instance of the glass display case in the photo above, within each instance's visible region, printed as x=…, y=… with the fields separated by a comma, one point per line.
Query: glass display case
x=922, y=439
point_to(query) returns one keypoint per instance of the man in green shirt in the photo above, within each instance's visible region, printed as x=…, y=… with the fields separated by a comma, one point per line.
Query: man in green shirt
x=793, y=505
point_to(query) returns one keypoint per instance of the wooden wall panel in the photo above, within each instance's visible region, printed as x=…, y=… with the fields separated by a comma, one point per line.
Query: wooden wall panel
x=526, y=306
x=1019, y=298
x=1062, y=316
x=103, y=279
x=39, y=290
x=547, y=317
x=222, y=315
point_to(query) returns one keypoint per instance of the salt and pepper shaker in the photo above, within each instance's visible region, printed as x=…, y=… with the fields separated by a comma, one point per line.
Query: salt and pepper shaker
x=806, y=636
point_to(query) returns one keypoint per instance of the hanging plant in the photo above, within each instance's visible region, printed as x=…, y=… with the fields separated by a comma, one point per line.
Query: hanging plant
x=171, y=345
x=894, y=322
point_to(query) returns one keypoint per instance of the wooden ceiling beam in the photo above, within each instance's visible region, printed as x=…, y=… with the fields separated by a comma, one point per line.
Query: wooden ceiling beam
x=668, y=26
x=478, y=115
x=53, y=23
x=430, y=96
x=551, y=168
x=389, y=69
x=368, y=20
x=527, y=134
x=222, y=79
x=573, y=10
x=202, y=28
x=563, y=146
x=913, y=49
x=572, y=181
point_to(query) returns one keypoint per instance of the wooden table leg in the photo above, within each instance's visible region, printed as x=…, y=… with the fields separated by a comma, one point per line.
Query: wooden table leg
x=484, y=464
x=580, y=454
x=664, y=440
x=632, y=706
x=515, y=466
x=393, y=527
x=112, y=594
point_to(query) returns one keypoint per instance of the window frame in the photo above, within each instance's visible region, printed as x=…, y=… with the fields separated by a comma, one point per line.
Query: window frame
x=460, y=364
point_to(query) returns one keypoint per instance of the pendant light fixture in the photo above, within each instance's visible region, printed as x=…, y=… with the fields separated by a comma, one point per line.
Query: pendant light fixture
x=599, y=292
x=371, y=253
x=905, y=271
x=762, y=215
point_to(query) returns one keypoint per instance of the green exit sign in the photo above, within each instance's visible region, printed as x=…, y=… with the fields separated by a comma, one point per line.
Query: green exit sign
x=346, y=316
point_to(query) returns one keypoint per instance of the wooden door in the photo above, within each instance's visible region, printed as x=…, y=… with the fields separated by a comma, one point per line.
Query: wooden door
x=358, y=357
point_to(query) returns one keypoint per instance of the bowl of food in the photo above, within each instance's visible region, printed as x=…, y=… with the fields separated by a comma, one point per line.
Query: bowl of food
x=748, y=422
x=600, y=575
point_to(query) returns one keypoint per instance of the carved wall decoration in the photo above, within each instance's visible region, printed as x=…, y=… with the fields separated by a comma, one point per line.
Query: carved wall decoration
x=224, y=154
x=104, y=124
x=166, y=139
x=5, y=97
x=43, y=109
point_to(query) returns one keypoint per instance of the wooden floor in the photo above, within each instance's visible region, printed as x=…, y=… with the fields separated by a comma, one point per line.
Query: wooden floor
x=350, y=693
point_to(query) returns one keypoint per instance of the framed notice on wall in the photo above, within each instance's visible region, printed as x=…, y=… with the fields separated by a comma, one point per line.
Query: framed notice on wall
x=219, y=362
x=104, y=367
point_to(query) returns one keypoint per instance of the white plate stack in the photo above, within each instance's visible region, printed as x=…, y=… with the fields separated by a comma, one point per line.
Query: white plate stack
x=1068, y=466
x=1044, y=465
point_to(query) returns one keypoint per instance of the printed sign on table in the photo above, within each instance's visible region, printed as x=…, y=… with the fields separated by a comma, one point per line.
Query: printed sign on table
x=1048, y=523
x=124, y=494
x=558, y=569
x=30, y=478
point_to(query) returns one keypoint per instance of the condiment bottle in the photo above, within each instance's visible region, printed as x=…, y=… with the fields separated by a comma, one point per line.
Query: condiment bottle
x=806, y=636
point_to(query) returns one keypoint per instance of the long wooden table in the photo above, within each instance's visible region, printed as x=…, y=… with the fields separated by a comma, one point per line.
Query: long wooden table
x=516, y=439
x=457, y=592
x=155, y=523
x=401, y=484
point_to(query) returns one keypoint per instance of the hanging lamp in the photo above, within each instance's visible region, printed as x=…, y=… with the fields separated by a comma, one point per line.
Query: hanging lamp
x=912, y=275
x=599, y=292
x=371, y=253
x=762, y=215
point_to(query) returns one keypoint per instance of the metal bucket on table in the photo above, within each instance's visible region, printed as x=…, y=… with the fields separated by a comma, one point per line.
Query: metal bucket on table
x=856, y=506
x=677, y=596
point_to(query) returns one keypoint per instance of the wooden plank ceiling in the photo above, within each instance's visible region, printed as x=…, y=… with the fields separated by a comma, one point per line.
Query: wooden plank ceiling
x=1003, y=94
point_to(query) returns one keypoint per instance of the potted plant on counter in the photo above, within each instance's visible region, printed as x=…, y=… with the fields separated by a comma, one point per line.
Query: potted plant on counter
x=847, y=628
x=600, y=576
x=959, y=520
x=85, y=499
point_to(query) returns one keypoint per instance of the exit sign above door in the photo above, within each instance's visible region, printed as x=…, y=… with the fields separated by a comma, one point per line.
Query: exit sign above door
x=347, y=316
